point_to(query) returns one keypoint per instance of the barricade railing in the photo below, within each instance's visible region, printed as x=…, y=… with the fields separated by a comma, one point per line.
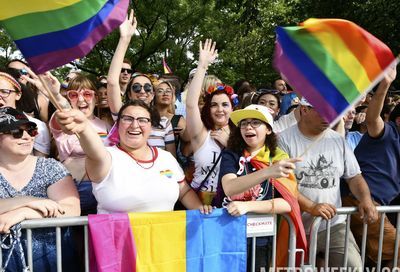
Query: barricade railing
x=348, y=211
x=257, y=226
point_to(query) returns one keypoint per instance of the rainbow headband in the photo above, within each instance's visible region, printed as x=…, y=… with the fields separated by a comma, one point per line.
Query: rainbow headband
x=11, y=80
x=227, y=89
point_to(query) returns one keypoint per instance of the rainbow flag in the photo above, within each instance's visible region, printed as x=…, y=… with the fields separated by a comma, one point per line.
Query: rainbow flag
x=331, y=62
x=168, y=241
x=167, y=70
x=52, y=33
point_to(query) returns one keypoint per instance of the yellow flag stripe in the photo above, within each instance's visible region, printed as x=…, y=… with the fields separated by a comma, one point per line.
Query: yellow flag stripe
x=160, y=240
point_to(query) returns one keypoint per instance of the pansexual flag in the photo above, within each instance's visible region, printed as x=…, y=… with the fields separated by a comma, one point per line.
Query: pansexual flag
x=180, y=241
x=52, y=33
x=331, y=62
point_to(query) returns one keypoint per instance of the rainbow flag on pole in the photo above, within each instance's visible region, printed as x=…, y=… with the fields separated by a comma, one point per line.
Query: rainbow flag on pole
x=331, y=62
x=181, y=241
x=52, y=33
x=166, y=68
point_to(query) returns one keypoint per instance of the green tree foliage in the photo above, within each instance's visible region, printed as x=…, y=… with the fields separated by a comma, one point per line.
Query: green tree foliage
x=243, y=30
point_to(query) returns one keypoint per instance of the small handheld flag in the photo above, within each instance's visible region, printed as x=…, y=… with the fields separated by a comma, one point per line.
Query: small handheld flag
x=167, y=70
x=331, y=62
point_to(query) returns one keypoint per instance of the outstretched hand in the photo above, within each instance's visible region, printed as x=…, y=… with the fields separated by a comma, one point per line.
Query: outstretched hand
x=72, y=121
x=128, y=27
x=283, y=168
x=208, y=53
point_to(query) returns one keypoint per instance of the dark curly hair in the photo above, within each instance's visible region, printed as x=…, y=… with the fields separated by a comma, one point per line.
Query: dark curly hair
x=237, y=144
x=154, y=115
x=206, y=110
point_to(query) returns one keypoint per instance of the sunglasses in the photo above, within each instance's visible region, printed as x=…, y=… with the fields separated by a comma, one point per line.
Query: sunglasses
x=126, y=70
x=137, y=87
x=73, y=95
x=17, y=133
x=267, y=91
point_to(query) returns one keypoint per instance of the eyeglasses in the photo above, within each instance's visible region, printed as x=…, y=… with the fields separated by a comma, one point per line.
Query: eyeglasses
x=254, y=123
x=4, y=93
x=17, y=133
x=126, y=70
x=165, y=92
x=128, y=120
x=73, y=95
x=137, y=87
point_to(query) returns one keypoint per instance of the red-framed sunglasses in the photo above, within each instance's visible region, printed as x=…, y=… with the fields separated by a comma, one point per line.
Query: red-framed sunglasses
x=73, y=95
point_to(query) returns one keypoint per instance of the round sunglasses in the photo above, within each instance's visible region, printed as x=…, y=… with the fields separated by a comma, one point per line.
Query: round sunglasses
x=17, y=133
x=73, y=95
x=137, y=87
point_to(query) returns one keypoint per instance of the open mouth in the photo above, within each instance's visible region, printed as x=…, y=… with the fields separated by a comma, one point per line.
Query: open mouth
x=249, y=135
x=134, y=133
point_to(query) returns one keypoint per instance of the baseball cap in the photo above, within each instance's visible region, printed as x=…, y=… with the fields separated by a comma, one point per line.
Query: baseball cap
x=253, y=111
x=11, y=119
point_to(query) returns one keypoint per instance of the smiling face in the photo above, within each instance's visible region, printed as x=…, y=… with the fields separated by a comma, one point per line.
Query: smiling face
x=146, y=96
x=220, y=110
x=8, y=99
x=271, y=102
x=254, y=132
x=134, y=134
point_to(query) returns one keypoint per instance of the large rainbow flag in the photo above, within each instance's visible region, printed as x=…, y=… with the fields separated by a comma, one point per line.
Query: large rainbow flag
x=168, y=241
x=331, y=62
x=52, y=33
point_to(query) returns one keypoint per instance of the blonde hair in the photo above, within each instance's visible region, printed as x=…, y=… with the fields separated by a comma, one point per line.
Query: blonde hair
x=81, y=82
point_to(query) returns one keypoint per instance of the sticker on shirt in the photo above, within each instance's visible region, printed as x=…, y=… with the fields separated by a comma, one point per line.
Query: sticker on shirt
x=320, y=174
x=167, y=173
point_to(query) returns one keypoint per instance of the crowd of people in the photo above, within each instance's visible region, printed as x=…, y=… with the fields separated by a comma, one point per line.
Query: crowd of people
x=135, y=142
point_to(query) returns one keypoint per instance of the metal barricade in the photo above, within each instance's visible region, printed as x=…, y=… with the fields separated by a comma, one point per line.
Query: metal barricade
x=348, y=211
x=257, y=226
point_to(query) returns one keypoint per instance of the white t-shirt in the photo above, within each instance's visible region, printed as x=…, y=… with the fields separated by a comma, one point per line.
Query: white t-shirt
x=284, y=122
x=318, y=175
x=42, y=140
x=204, y=159
x=128, y=187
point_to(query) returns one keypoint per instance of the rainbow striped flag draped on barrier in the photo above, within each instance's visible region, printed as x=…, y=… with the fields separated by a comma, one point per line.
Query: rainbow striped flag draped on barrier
x=52, y=33
x=181, y=241
x=331, y=62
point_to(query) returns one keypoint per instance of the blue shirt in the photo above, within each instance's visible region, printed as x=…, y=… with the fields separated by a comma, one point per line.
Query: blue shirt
x=379, y=160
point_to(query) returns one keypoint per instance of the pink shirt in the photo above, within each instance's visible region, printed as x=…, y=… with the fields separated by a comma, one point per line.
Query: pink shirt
x=68, y=145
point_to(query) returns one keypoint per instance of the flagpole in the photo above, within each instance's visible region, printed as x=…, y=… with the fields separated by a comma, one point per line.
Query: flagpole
x=52, y=99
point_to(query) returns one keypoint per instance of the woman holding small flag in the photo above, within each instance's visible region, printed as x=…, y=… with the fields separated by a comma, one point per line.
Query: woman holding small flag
x=131, y=176
x=257, y=176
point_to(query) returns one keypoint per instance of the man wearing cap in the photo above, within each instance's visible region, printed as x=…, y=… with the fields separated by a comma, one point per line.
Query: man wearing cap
x=10, y=93
x=327, y=160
